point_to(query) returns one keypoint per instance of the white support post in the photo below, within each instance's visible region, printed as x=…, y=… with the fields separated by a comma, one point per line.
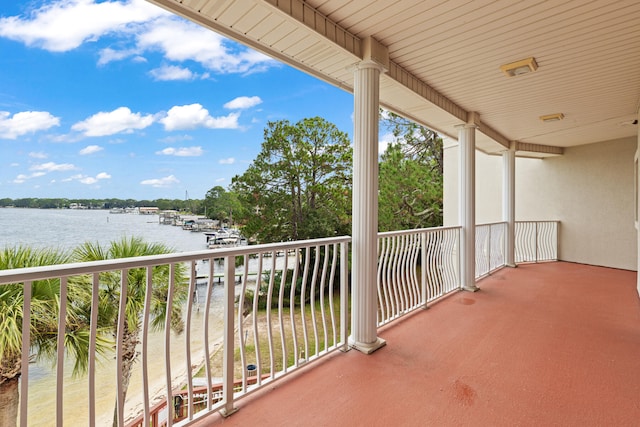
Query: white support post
x=228, y=337
x=467, y=147
x=423, y=270
x=509, y=201
x=344, y=294
x=26, y=345
x=364, y=308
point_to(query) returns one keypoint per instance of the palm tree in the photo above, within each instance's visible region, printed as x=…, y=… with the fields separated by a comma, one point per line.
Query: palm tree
x=110, y=286
x=45, y=299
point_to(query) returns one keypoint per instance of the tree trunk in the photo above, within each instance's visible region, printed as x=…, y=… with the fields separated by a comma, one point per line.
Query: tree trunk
x=294, y=212
x=9, y=401
x=129, y=355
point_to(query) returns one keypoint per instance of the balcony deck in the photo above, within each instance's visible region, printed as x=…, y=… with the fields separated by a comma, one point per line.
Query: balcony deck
x=543, y=344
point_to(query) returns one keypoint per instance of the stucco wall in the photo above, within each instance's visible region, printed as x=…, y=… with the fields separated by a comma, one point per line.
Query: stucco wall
x=590, y=189
x=637, y=183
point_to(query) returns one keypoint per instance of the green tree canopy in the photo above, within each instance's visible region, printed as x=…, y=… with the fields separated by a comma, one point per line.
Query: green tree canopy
x=45, y=308
x=410, y=177
x=299, y=185
x=417, y=142
x=223, y=205
x=111, y=285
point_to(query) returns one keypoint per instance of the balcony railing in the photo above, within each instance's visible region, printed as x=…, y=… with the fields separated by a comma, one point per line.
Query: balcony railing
x=415, y=267
x=536, y=241
x=287, y=308
x=490, y=247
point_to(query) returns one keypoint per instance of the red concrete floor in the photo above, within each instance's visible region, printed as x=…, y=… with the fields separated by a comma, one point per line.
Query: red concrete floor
x=555, y=344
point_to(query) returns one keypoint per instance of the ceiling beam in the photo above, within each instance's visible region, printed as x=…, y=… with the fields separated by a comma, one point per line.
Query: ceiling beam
x=319, y=24
x=494, y=134
x=539, y=148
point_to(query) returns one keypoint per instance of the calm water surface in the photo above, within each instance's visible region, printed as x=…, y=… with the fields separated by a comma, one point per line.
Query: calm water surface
x=66, y=229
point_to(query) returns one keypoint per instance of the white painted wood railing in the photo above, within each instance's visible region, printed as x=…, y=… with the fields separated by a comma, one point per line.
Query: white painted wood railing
x=270, y=327
x=415, y=267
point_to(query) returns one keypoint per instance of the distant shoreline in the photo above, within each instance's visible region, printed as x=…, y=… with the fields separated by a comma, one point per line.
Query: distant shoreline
x=181, y=205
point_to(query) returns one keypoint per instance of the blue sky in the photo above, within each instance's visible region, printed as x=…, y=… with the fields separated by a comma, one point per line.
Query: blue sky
x=102, y=99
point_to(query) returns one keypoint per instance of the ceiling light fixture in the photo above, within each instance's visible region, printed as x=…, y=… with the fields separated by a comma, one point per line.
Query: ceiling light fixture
x=552, y=117
x=517, y=68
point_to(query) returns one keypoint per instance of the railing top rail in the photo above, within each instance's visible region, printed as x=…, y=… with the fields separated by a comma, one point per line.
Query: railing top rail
x=538, y=221
x=491, y=223
x=417, y=230
x=73, y=269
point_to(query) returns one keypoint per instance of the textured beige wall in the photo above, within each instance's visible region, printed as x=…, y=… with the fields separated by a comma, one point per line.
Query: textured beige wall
x=637, y=183
x=590, y=189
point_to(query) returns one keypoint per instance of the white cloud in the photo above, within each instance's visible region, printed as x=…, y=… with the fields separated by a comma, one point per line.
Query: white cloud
x=38, y=155
x=21, y=178
x=228, y=161
x=52, y=167
x=221, y=180
x=108, y=55
x=182, y=151
x=176, y=138
x=85, y=179
x=243, y=102
x=138, y=26
x=25, y=122
x=72, y=178
x=66, y=24
x=194, y=116
x=172, y=72
x=161, y=182
x=109, y=123
x=384, y=142
x=385, y=114
x=181, y=41
x=65, y=138
x=90, y=149
x=88, y=180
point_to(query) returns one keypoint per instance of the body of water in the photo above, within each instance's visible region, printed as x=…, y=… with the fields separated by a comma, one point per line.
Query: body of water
x=65, y=229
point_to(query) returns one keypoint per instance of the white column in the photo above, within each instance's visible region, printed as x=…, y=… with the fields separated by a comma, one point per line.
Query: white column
x=364, y=304
x=467, y=205
x=509, y=202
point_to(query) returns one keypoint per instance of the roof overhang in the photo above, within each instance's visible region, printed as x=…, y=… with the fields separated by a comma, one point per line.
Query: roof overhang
x=444, y=59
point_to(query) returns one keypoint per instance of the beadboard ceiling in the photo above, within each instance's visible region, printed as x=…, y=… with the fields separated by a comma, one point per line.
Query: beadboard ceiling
x=445, y=59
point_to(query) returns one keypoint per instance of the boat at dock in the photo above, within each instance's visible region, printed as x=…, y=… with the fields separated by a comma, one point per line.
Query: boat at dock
x=132, y=210
x=223, y=238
